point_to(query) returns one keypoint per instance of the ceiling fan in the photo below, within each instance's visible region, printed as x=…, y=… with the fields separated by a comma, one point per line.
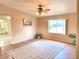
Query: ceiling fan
x=41, y=9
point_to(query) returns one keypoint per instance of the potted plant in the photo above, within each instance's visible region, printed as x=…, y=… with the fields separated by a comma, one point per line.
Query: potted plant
x=73, y=37
x=38, y=35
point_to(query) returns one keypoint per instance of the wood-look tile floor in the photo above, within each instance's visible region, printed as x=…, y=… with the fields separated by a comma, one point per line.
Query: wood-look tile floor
x=69, y=52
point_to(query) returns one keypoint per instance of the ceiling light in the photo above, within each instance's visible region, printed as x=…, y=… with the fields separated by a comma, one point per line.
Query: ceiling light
x=39, y=13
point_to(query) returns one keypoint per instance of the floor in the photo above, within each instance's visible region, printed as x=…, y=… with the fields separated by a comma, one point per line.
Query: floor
x=67, y=53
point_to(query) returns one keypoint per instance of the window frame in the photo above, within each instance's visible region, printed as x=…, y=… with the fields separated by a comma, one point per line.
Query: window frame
x=65, y=26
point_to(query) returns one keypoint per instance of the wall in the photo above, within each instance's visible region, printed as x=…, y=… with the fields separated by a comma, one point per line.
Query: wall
x=77, y=46
x=19, y=32
x=71, y=26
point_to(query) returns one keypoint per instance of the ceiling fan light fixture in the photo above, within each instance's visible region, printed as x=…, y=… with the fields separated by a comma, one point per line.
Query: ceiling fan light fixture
x=41, y=10
x=39, y=13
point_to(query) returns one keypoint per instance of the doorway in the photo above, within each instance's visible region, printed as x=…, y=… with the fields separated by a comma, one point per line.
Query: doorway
x=5, y=30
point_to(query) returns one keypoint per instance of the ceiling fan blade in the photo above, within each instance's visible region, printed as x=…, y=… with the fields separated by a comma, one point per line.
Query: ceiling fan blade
x=46, y=10
x=35, y=6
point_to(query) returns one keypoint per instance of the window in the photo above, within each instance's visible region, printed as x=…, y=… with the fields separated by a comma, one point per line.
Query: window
x=57, y=26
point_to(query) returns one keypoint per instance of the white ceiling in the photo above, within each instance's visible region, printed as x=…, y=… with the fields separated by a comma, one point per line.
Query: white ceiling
x=30, y=6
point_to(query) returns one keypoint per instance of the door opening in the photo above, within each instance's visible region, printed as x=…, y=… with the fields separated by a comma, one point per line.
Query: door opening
x=5, y=30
